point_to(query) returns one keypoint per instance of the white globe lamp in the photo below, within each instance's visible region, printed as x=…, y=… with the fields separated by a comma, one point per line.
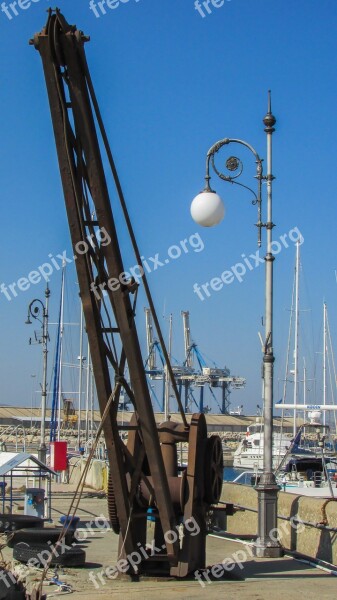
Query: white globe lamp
x=207, y=209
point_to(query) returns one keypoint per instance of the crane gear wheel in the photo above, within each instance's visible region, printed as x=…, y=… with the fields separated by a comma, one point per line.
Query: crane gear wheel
x=112, y=507
x=213, y=469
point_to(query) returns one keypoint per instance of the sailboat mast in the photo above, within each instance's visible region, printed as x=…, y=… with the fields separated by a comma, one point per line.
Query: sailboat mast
x=304, y=387
x=59, y=398
x=324, y=362
x=297, y=270
x=167, y=376
x=87, y=397
x=91, y=401
x=80, y=381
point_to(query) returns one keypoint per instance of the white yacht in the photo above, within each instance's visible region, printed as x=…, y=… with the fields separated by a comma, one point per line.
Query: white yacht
x=249, y=454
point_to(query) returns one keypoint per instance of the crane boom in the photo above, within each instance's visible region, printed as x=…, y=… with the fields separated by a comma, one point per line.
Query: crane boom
x=144, y=471
x=151, y=352
x=187, y=338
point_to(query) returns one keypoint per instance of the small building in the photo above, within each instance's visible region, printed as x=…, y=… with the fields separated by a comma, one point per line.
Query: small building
x=22, y=466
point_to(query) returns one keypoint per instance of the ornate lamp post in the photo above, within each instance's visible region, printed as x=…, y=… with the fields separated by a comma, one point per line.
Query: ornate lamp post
x=39, y=311
x=207, y=209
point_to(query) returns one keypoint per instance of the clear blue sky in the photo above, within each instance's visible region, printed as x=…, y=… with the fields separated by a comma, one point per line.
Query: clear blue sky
x=170, y=83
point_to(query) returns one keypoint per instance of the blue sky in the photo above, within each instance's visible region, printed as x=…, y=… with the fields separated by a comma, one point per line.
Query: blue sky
x=171, y=83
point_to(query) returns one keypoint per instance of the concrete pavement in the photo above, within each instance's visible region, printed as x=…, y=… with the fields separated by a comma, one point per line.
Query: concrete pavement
x=258, y=579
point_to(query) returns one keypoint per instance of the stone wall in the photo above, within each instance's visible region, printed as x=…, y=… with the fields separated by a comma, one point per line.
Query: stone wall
x=316, y=542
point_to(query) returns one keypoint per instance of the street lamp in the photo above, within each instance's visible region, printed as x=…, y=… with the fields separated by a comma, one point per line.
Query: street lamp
x=38, y=310
x=207, y=209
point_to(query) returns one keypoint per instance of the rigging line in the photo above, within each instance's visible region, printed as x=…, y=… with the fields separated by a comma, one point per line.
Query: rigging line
x=67, y=129
x=97, y=259
x=102, y=274
x=92, y=252
x=308, y=297
x=288, y=352
x=69, y=136
x=191, y=395
x=317, y=354
x=53, y=421
x=68, y=133
x=120, y=193
x=203, y=355
x=215, y=398
x=68, y=337
x=289, y=341
x=131, y=231
x=331, y=385
x=333, y=366
x=110, y=338
x=80, y=486
x=306, y=348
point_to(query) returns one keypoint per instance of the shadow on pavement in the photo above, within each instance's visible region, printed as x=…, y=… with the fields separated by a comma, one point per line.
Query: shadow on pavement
x=285, y=568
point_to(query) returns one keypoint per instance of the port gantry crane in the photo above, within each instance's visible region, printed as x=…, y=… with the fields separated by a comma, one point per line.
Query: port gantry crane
x=144, y=471
x=159, y=372
x=211, y=376
x=186, y=375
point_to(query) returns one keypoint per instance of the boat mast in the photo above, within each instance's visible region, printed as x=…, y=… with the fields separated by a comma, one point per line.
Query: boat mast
x=330, y=349
x=80, y=381
x=304, y=386
x=297, y=270
x=324, y=361
x=87, y=394
x=167, y=377
x=92, y=401
x=61, y=353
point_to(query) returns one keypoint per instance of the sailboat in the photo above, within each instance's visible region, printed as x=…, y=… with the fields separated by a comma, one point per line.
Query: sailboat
x=311, y=472
x=55, y=422
x=249, y=454
x=63, y=413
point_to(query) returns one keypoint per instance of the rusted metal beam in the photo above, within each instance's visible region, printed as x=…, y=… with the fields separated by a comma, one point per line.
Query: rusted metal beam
x=60, y=47
x=144, y=473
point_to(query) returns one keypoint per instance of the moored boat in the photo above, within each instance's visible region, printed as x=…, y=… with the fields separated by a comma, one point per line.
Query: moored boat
x=249, y=454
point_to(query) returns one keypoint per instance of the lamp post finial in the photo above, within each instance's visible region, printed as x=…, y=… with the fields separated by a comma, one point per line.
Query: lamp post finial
x=269, y=120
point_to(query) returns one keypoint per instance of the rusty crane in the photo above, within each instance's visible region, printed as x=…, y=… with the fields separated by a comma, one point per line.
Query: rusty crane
x=144, y=471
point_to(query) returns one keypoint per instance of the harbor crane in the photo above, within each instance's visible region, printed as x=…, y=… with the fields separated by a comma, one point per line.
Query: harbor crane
x=152, y=369
x=144, y=472
x=159, y=372
x=210, y=376
x=187, y=375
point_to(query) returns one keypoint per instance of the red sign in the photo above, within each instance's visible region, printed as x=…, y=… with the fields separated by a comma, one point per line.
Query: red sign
x=58, y=456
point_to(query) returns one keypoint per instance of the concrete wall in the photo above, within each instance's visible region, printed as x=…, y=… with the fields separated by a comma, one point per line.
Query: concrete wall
x=314, y=542
x=97, y=474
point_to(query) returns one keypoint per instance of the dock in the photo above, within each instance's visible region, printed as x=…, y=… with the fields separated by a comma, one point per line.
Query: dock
x=254, y=579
